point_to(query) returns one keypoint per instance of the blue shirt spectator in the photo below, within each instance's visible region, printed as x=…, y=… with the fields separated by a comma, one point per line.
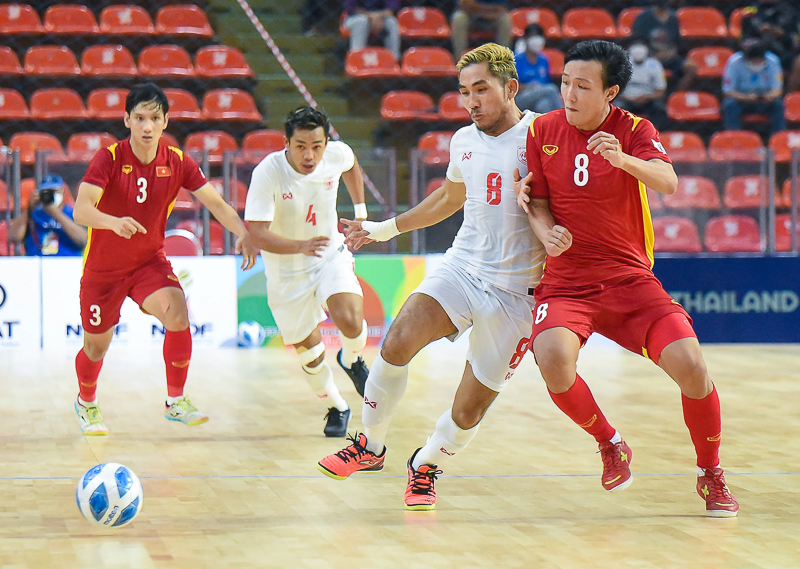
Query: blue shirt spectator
x=743, y=77
x=537, y=92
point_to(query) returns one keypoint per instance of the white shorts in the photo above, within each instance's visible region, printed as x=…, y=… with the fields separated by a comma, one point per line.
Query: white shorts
x=501, y=321
x=298, y=303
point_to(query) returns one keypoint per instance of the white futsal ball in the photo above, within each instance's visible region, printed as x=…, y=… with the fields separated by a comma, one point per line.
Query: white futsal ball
x=109, y=495
x=251, y=334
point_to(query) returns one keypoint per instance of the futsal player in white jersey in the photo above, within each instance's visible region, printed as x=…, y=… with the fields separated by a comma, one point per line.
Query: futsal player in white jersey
x=485, y=282
x=291, y=208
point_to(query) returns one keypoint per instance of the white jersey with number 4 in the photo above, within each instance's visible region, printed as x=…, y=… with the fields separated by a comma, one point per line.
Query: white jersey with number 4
x=300, y=206
x=495, y=242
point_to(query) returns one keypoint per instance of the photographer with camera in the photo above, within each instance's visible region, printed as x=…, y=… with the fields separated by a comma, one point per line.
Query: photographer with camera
x=46, y=226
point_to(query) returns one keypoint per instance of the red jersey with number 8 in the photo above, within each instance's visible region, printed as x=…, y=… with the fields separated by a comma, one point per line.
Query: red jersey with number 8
x=145, y=192
x=603, y=207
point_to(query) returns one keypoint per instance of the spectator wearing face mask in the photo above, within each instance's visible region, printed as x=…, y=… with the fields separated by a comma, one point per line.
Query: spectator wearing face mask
x=752, y=83
x=537, y=91
x=644, y=94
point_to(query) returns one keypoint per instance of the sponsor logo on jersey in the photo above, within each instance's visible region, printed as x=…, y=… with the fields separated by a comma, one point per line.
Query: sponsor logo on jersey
x=163, y=172
x=658, y=145
x=467, y=156
x=127, y=169
x=287, y=195
x=522, y=154
x=550, y=149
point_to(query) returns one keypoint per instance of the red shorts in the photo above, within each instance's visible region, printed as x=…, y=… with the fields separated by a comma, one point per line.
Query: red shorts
x=102, y=296
x=630, y=311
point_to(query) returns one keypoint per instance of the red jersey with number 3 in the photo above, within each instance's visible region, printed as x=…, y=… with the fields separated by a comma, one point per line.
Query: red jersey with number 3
x=604, y=208
x=145, y=192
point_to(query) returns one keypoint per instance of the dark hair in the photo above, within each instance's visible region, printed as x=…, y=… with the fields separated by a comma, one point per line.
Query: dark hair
x=616, y=66
x=306, y=118
x=146, y=93
x=534, y=30
x=754, y=48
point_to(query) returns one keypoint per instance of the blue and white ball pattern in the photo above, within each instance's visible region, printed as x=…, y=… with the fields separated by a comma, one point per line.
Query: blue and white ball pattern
x=109, y=495
x=251, y=334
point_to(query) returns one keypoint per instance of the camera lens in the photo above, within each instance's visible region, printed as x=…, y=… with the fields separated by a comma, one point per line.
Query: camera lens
x=47, y=197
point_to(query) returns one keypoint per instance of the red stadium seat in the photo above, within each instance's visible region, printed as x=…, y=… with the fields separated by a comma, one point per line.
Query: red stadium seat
x=684, y=146
x=743, y=192
x=259, y=143
x=50, y=104
x=676, y=235
x=428, y=62
x=126, y=20
x=215, y=141
x=654, y=200
x=107, y=103
x=783, y=232
x=407, y=105
x=12, y=105
x=783, y=143
x=238, y=195
x=19, y=19
x=26, y=188
x=556, y=59
x=423, y=23
x=216, y=234
x=735, y=26
x=702, y=22
x=625, y=21
x=169, y=140
x=165, y=61
x=4, y=197
x=29, y=142
x=108, y=60
x=433, y=185
x=221, y=61
x=68, y=19
x=521, y=18
x=710, y=60
x=732, y=234
x=230, y=104
x=181, y=243
x=435, y=147
x=694, y=192
x=5, y=249
x=82, y=146
x=451, y=109
x=183, y=20
x=785, y=199
x=182, y=105
x=9, y=62
x=586, y=23
x=735, y=145
x=51, y=60
x=690, y=106
x=791, y=105
x=371, y=62
x=185, y=202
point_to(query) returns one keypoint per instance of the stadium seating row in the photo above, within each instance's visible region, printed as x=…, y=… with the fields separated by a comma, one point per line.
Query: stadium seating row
x=723, y=234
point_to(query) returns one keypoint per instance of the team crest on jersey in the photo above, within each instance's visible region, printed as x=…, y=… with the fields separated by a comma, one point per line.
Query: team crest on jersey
x=127, y=169
x=550, y=149
x=163, y=172
x=658, y=145
x=522, y=154
x=329, y=184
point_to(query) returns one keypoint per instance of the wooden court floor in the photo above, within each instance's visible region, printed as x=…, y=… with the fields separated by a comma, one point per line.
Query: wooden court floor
x=242, y=491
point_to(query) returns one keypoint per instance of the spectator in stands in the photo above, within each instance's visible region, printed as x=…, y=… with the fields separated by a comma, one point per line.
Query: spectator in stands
x=483, y=15
x=658, y=24
x=753, y=83
x=645, y=92
x=373, y=18
x=777, y=24
x=537, y=91
x=46, y=226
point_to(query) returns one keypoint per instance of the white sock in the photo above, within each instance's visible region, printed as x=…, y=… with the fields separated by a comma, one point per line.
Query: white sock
x=352, y=347
x=616, y=438
x=92, y=403
x=447, y=440
x=172, y=400
x=702, y=471
x=320, y=379
x=385, y=387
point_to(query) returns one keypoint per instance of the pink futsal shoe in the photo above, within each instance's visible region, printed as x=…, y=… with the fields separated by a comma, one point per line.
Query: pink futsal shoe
x=616, y=465
x=353, y=458
x=420, y=491
x=720, y=503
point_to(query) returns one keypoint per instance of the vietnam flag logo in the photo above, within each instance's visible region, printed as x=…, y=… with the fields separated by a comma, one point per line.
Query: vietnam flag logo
x=163, y=172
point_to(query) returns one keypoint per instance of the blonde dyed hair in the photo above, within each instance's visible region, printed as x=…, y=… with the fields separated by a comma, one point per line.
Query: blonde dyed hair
x=499, y=59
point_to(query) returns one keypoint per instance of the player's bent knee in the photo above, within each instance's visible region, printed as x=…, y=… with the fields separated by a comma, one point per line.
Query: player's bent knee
x=311, y=358
x=467, y=418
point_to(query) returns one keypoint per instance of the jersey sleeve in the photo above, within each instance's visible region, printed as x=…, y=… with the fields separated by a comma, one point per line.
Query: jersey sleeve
x=193, y=177
x=99, y=171
x=348, y=157
x=539, y=188
x=453, y=171
x=645, y=143
x=260, y=204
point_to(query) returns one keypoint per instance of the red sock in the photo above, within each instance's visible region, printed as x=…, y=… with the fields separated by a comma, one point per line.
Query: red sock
x=177, y=353
x=87, y=371
x=702, y=416
x=579, y=405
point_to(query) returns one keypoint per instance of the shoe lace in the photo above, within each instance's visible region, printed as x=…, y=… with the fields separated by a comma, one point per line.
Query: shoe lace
x=612, y=459
x=422, y=482
x=717, y=485
x=93, y=413
x=353, y=451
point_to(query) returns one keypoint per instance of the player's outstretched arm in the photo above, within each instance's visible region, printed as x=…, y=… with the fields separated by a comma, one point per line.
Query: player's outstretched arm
x=86, y=213
x=271, y=242
x=354, y=182
x=230, y=220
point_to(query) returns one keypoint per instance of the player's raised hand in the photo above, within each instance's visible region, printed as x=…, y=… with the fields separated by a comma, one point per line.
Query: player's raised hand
x=608, y=147
x=355, y=236
x=558, y=240
x=244, y=246
x=127, y=226
x=314, y=246
x=522, y=189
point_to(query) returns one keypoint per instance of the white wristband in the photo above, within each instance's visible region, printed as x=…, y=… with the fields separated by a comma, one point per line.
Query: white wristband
x=381, y=230
x=360, y=210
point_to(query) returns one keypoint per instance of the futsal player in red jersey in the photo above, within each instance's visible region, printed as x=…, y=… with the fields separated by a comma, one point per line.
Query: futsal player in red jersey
x=124, y=199
x=586, y=196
